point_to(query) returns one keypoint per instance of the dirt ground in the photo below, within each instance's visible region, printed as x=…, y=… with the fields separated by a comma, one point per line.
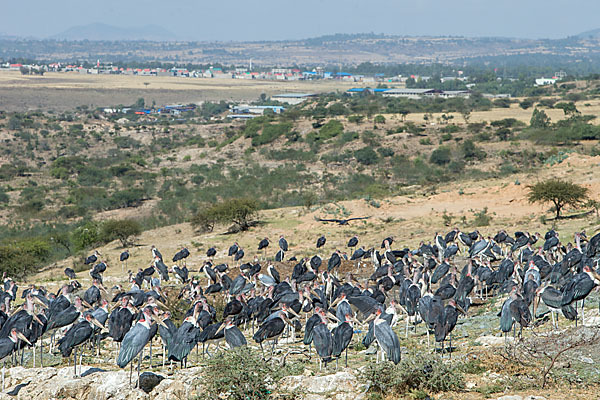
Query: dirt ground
x=65, y=91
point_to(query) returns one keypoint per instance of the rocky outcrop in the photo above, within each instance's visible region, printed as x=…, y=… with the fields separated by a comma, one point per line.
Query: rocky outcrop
x=59, y=383
x=342, y=385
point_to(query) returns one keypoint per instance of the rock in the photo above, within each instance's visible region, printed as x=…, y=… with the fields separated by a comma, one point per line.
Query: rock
x=470, y=385
x=535, y=398
x=493, y=340
x=343, y=384
x=510, y=397
x=148, y=381
x=586, y=360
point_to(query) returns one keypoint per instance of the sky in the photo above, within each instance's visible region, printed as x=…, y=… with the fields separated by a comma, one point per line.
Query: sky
x=239, y=20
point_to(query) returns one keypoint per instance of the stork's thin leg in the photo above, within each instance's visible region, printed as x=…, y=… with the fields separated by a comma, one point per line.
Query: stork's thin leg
x=41, y=353
x=3, y=375
x=75, y=361
x=163, y=355
x=450, y=348
x=262, y=350
x=33, y=353
x=80, y=360
x=130, y=372
x=583, y=312
x=346, y=357
x=138, y=368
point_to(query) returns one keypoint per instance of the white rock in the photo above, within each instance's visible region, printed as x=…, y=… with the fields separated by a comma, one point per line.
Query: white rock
x=510, y=397
x=493, y=340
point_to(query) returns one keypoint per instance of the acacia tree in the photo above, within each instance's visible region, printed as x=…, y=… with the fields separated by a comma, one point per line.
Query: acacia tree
x=558, y=192
x=241, y=212
x=122, y=229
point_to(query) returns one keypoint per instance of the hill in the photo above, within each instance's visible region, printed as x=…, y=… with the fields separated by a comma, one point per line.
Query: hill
x=99, y=31
x=591, y=34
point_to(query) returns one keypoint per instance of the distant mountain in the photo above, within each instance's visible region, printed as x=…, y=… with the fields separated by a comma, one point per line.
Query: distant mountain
x=99, y=31
x=594, y=33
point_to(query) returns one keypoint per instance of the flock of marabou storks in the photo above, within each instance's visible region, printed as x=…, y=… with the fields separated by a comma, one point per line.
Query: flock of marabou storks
x=330, y=302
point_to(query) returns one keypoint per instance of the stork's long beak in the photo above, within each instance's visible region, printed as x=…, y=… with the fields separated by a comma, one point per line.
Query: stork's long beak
x=37, y=319
x=460, y=309
x=23, y=338
x=113, y=306
x=103, y=289
x=536, y=302
x=333, y=317
x=86, y=304
x=160, y=321
x=97, y=323
x=221, y=328
x=293, y=313
x=337, y=300
x=370, y=318
x=160, y=303
x=39, y=302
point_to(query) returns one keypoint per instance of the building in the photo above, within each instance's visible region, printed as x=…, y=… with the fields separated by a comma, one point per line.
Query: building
x=292, y=98
x=545, y=81
x=246, y=109
x=424, y=93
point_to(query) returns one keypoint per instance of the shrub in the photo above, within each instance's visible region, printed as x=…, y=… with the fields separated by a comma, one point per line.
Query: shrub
x=502, y=103
x=482, y=218
x=526, y=103
x=452, y=128
x=539, y=119
x=366, y=156
x=271, y=132
x=331, y=129
x=86, y=236
x=385, y=152
x=356, y=119
x=415, y=372
x=472, y=152
x=4, y=198
x=20, y=257
x=379, y=119
x=241, y=212
x=441, y=156
x=120, y=229
x=240, y=374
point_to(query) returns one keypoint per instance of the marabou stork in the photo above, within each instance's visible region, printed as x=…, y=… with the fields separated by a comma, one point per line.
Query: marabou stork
x=75, y=336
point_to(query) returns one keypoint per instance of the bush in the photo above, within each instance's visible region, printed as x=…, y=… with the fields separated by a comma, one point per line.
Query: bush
x=452, y=128
x=4, y=198
x=441, y=156
x=385, y=152
x=241, y=212
x=240, y=374
x=366, y=156
x=20, y=257
x=379, y=119
x=271, y=132
x=415, y=372
x=86, y=236
x=502, y=103
x=472, y=152
x=482, y=218
x=120, y=229
x=331, y=129
x=526, y=103
x=356, y=119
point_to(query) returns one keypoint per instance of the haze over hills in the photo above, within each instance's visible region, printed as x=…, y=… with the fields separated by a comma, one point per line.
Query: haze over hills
x=100, y=31
x=594, y=34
